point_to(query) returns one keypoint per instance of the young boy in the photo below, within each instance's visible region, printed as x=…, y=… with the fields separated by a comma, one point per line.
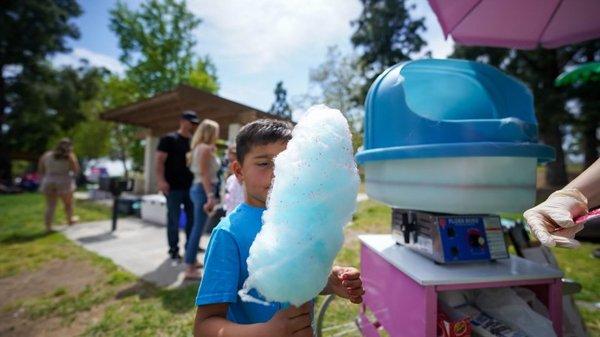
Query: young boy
x=220, y=311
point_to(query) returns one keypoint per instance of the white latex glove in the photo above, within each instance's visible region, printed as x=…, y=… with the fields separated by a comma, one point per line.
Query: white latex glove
x=552, y=221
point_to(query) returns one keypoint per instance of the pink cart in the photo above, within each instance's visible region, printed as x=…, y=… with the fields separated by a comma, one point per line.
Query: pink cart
x=402, y=286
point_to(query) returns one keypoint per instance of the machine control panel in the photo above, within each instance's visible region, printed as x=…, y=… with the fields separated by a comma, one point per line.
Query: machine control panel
x=449, y=238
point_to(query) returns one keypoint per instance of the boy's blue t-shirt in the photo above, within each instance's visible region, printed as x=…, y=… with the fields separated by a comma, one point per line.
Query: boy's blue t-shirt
x=225, y=268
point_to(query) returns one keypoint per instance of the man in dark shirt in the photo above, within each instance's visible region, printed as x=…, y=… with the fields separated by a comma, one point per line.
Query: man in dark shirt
x=175, y=179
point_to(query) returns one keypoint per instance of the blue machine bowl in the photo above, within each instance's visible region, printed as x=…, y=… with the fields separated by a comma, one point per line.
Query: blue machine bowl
x=451, y=136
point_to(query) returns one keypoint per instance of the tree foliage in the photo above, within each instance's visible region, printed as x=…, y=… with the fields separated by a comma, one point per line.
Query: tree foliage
x=385, y=35
x=338, y=84
x=157, y=44
x=281, y=107
x=29, y=32
x=48, y=103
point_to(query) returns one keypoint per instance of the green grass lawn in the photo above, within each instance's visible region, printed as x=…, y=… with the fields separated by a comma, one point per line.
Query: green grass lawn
x=118, y=302
x=121, y=305
x=24, y=244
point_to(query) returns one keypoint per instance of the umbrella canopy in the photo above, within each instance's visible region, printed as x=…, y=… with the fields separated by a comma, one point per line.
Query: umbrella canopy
x=522, y=24
x=588, y=72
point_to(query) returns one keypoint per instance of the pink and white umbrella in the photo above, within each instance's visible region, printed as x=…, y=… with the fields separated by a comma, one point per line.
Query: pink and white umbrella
x=523, y=24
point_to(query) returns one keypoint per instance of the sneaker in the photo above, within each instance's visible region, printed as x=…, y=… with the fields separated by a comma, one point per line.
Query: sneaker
x=175, y=256
x=74, y=219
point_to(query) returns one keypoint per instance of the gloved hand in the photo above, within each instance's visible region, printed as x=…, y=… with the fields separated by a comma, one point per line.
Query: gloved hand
x=552, y=220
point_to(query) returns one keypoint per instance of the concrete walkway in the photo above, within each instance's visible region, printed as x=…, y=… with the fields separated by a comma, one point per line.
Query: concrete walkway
x=139, y=247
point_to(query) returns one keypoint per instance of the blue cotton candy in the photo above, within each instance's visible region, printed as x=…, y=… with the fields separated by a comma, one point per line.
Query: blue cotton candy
x=312, y=197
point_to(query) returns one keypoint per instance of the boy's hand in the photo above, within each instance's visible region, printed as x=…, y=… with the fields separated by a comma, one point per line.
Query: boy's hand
x=345, y=282
x=293, y=321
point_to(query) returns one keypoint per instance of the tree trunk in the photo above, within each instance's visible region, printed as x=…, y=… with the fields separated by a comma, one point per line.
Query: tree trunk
x=5, y=162
x=556, y=173
x=550, y=109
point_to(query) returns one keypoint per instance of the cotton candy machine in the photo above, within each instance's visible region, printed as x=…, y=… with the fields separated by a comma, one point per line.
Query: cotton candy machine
x=457, y=139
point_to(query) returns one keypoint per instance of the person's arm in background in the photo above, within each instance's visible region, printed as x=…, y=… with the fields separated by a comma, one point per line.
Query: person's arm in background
x=205, y=158
x=165, y=145
x=211, y=321
x=552, y=221
x=74, y=164
x=163, y=185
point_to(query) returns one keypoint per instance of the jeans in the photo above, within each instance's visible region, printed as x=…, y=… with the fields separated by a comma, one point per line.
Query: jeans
x=199, y=198
x=175, y=199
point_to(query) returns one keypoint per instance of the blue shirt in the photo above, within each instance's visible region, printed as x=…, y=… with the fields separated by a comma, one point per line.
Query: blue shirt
x=225, y=268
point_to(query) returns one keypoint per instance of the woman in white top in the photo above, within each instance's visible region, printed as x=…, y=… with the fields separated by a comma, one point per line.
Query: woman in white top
x=204, y=164
x=57, y=169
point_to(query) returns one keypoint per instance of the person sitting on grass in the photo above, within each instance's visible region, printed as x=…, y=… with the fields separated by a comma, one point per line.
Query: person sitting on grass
x=220, y=311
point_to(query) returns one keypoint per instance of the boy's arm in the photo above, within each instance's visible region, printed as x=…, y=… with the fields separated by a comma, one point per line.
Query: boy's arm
x=211, y=321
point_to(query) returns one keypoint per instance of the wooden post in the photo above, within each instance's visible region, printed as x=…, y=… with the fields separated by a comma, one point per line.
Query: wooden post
x=149, y=162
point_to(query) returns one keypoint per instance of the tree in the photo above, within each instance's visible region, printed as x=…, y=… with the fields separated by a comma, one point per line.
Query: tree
x=584, y=106
x=125, y=141
x=204, y=75
x=97, y=138
x=538, y=69
x=29, y=32
x=338, y=85
x=587, y=123
x=48, y=103
x=156, y=46
x=586, y=96
x=91, y=138
x=281, y=107
x=385, y=35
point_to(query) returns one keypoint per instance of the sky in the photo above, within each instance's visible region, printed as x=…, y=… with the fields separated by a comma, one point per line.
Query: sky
x=253, y=43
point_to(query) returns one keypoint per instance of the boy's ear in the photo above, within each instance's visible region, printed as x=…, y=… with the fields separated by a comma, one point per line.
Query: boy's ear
x=236, y=167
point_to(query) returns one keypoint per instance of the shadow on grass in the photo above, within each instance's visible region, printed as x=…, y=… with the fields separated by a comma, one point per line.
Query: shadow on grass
x=166, y=274
x=154, y=284
x=23, y=237
x=178, y=300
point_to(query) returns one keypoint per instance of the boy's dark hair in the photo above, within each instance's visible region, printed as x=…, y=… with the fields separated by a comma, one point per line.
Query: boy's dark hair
x=261, y=132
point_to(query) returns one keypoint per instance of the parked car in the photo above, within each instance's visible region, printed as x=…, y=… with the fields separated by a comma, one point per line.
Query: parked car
x=103, y=167
x=29, y=181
